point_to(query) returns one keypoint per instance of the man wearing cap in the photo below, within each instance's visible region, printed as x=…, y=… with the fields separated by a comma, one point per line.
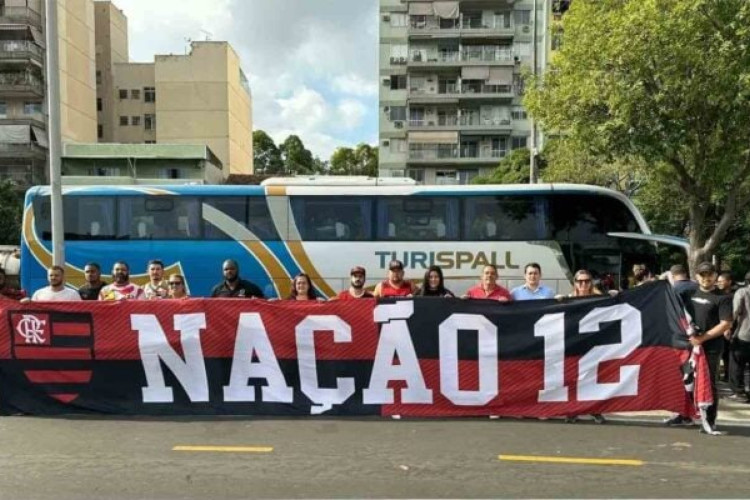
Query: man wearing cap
x=488, y=287
x=356, y=288
x=711, y=312
x=395, y=285
x=739, y=352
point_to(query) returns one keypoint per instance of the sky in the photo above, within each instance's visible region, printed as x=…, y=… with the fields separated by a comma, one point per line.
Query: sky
x=312, y=64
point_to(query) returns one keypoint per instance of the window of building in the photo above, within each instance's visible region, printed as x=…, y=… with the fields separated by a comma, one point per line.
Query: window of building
x=416, y=173
x=135, y=120
x=399, y=20
x=123, y=121
x=398, y=113
x=99, y=131
x=32, y=108
x=398, y=146
x=149, y=142
x=98, y=103
x=519, y=113
x=149, y=94
x=98, y=77
x=446, y=177
x=149, y=122
x=398, y=82
x=3, y=109
x=518, y=142
x=523, y=17
x=123, y=93
x=135, y=94
x=465, y=176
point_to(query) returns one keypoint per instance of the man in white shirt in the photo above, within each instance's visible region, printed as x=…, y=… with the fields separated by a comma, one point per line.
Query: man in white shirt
x=56, y=291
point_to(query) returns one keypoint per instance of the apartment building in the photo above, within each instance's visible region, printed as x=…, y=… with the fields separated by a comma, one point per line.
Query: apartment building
x=450, y=86
x=23, y=111
x=201, y=97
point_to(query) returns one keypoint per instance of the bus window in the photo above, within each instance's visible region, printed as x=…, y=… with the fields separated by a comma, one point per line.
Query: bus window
x=158, y=217
x=585, y=218
x=84, y=217
x=250, y=212
x=499, y=218
x=333, y=218
x=418, y=219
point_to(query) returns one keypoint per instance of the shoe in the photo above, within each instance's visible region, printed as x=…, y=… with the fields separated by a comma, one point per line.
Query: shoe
x=710, y=430
x=739, y=398
x=678, y=420
x=571, y=420
x=599, y=418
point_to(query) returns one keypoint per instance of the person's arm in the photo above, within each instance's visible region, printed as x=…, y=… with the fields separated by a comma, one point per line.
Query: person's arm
x=378, y=290
x=725, y=323
x=738, y=304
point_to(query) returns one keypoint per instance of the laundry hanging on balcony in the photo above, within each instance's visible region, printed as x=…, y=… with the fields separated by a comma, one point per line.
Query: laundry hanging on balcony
x=446, y=10
x=421, y=9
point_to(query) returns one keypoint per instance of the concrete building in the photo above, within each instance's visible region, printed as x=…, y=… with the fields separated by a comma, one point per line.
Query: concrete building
x=202, y=97
x=450, y=88
x=23, y=113
x=151, y=164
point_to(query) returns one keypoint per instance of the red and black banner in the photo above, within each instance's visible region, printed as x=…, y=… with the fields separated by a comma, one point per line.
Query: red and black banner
x=423, y=357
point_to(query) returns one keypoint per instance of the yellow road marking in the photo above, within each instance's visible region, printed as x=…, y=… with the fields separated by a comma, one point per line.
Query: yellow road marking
x=226, y=449
x=570, y=460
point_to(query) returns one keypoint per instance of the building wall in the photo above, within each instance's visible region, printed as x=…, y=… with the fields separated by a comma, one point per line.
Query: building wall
x=130, y=109
x=77, y=70
x=200, y=100
x=111, y=48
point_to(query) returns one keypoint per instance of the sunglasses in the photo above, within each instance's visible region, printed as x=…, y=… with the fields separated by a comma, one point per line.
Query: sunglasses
x=583, y=281
x=175, y=283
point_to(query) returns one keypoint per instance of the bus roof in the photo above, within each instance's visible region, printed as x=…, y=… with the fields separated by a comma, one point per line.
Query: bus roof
x=338, y=180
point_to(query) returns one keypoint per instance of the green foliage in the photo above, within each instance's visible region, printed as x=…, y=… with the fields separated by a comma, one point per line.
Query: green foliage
x=362, y=160
x=266, y=155
x=297, y=159
x=11, y=210
x=659, y=91
x=513, y=169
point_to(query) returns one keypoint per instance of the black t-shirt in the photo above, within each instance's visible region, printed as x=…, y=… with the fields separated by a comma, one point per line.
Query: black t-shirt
x=243, y=289
x=707, y=310
x=88, y=292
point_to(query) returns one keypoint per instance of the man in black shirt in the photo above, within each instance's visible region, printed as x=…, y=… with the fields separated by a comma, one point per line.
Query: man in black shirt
x=94, y=283
x=711, y=312
x=233, y=286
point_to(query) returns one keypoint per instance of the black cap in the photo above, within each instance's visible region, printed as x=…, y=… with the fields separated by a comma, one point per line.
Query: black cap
x=705, y=267
x=357, y=270
x=396, y=265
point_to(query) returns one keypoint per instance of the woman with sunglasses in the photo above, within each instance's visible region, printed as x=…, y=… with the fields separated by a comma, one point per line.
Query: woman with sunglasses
x=176, y=285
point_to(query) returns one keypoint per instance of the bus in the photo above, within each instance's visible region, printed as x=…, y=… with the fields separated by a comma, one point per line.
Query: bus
x=285, y=227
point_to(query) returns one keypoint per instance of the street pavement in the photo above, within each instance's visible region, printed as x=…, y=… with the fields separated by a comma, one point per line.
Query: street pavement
x=316, y=457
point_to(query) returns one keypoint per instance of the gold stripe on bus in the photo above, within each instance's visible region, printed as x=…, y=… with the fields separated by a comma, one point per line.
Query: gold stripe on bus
x=299, y=254
x=279, y=276
x=276, y=190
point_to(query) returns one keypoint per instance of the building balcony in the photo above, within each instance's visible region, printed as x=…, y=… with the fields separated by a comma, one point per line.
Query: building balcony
x=20, y=51
x=463, y=123
x=480, y=56
x=29, y=150
x=36, y=120
x=434, y=27
x=455, y=92
x=20, y=15
x=20, y=85
x=453, y=154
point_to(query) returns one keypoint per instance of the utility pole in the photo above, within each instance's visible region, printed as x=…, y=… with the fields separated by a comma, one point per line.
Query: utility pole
x=54, y=131
x=533, y=169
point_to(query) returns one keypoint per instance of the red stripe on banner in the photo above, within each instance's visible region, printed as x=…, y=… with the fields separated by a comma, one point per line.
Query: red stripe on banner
x=72, y=329
x=59, y=376
x=24, y=352
x=660, y=388
x=64, y=398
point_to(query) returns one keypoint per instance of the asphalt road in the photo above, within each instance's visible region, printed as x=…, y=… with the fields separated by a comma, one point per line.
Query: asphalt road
x=45, y=458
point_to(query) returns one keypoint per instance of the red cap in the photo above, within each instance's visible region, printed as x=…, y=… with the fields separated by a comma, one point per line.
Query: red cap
x=358, y=270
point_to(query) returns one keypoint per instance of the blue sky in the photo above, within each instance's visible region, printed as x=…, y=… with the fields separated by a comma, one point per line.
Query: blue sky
x=312, y=64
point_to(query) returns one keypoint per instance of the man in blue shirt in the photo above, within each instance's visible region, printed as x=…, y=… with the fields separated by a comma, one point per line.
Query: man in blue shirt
x=533, y=288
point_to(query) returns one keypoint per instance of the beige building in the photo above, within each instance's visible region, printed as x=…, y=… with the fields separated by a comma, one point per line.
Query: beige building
x=201, y=97
x=23, y=113
x=450, y=87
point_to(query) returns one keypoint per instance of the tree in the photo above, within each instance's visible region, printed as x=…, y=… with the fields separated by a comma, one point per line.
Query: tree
x=11, y=211
x=362, y=160
x=297, y=159
x=666, y=83
x=513, y=169
x=266, y=156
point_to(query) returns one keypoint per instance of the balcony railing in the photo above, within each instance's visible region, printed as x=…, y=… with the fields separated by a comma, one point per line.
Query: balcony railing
x=19, y=49
x=25, y=83
x=21, y=150
x=448, y=121
x=452, y=152
x=473, y=54
x=433, y=23
x=471, y=121
x=20, y=15
x=465, y=89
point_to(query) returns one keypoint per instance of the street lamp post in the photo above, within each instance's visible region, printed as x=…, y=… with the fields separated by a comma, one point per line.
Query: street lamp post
x=53, y=129
x=533, y=169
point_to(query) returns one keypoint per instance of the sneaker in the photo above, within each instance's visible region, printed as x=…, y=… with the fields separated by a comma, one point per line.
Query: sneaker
x=678, y=420
x=571, y=420
x=599, y=418
x=739, y=398
x=710, y=430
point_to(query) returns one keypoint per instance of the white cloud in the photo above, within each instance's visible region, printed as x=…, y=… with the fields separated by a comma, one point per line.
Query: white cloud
x=312, y=64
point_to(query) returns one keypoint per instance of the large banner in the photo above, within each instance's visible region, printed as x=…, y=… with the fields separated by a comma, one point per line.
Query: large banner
x=412, y=357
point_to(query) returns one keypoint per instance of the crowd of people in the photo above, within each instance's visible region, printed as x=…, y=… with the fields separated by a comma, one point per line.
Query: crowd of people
x=719, y=311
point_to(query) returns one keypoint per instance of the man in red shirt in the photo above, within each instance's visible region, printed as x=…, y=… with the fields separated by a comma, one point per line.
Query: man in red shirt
x=395, y=285
x=488, y=287
x=356, y=287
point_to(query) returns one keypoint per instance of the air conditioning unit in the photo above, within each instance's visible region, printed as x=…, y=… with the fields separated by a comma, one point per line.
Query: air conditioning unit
x=526, y=29
x=398, y=124
x=386, y=18
x=386, y=82
x=386, y=143
x=394, y=60
x=386, y=109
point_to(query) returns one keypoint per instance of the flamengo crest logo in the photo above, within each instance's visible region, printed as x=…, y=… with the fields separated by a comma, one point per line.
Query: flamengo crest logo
x=32, y=329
